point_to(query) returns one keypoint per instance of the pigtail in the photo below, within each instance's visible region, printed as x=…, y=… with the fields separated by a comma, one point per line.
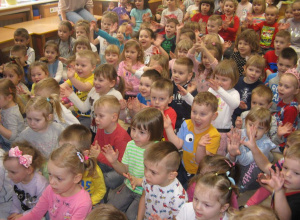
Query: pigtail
x=16, y=60
x=44, y=60
x=15, y=65
x=120, y=85
x=90, y=165
x=55, y=103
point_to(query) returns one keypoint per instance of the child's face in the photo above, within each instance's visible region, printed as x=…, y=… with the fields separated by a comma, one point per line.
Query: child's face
x=80, y=31
x=170, y=29
x=284, y=64
x=141, y=137
x=51, y=54
x=213, y=27
x=257, y=8
x=139, y=4
x=103, y=85
x=15, y=171
x=21, y=40
x=64, y=33
x=296, y=11
x=10, y=74
x=224, y=81
x=104, y=117
x=280, y=43
x=170, y=3
x=83, y=67
x=37, y=74
x=36, y=121
x=123, y=2
x=80, y=47
x=111, y=58
x=106, y=24
x=252, y=74
x=202, y=116
x=5, y=101
x=205, y=60
x=145, y=39
x=180, y=74
x=156, y=173
x=205, y=8
x=259, y=101
x=260, y=130
x=131, y=54
x=244, y=48
x=62, y=181
x=286, y=88
x=206, y=203
x=160, y=99
x=182, y=53
x=145, y=87
x=271, y=15
x=120, y=34
x=291, y=171
x=229, y=8
x=23, y=58
x=288, y=13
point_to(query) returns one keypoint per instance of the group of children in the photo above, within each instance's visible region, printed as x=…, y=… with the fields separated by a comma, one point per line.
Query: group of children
x=159, y=120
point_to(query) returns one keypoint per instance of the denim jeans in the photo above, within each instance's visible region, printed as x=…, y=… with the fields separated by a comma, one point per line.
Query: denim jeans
x=81, y=13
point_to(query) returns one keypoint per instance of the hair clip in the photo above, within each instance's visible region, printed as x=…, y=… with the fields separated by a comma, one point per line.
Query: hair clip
x=213, y=43
x=294, y=72
x=230, y=178
x=48, y=100
x=80, y=156
x=86, y=157
x=216, y=174
x=25, y=160
x=229, y=188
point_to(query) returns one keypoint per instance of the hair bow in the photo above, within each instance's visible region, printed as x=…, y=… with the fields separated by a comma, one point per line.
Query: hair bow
x=25, y=160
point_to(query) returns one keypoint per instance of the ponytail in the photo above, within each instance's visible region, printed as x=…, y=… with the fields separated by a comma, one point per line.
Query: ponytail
x=90, y=165
x=120, y=85
x=55, y=103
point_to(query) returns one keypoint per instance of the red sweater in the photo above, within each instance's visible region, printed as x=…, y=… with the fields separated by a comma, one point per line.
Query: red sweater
x=230, y=33
x=199, y=16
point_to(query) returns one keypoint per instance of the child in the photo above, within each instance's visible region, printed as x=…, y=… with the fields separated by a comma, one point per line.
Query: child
x=182, y=73
x=214, y=25
x=161, y=96
x=64, y=197
x=254, y=71
x=22, y=163
x=214, y=164
x=287, y=60
x=50, y=87
x=211, y=198
x=287, y=15
x=55, y=67
x=258, y=11
x=140, y=13
x=92, y=179
x=112, y=55
x=169, y=42
x=282, y=40
x=257, y=126
x=132, y=59
x=38, y=70
x=81, y=80
x=222, y=86
x=243, y=8
x=192, y=10
x=12, y=122
x=182, y=48
x=163, y=194
x=106, y=212
x=122, y=12
x=194, y=134
x=82, y=29
x=21, y=37
x=285, y=185
x=172, y=11
x=65, y=41
x=247, y=43
x=81, y=43
x=206, y=9
x=109, y=19
x=107, y=109
x=231, y=22
x=267, y=28
x=41, y=132
x=293, y=27
x=254, y=212
x=146, y=128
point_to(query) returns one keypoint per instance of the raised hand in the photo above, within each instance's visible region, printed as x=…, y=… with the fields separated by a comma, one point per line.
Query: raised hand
x=284, y=129
x=167, y=121
x=128, y=86
x=172, y=55
x=110, y=154
x=239, y=122
x=251, y=143
x=227, y=44
x=204, y=140
x=95, y=150
x=233, y=142
x=66, y=91
x=123, y=104
x=128, y=30
x=182, y=91
x=159, y=39
x=146, y=17
x=93, y=26
x=213, y=84
x=283, y=26
x=225, y=24
x=113, y=28
x=276, y=181
x=128, y=66
x=134, y=182
x=243, y=105
x=125, y=17
x=71, y=72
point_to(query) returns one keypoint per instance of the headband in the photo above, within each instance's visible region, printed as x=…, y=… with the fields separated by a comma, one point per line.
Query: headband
x=25, y=160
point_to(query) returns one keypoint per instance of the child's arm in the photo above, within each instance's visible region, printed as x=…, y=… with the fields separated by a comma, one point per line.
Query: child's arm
x=141, y=210
x=201, y=148
x=158, y=41
x=178, y=31
x=82, y=86
x=105, y=35
x=185, y=95
x=170, y=132
x=11, y=132
x=59, y=72
x=235, y=27
x=281, y=204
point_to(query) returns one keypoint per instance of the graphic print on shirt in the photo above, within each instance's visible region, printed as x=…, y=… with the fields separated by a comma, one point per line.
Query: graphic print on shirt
x=266, y=36
x=27, y=201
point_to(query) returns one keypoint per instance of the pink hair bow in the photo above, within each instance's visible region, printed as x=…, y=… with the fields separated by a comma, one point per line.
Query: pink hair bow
x=25, y=160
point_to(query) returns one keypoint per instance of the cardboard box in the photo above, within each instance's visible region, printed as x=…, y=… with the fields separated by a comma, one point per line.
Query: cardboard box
x=47, y=10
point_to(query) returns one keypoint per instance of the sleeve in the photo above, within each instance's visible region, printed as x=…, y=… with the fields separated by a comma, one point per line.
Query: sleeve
x=61, y=6
x=289, y=115
x=125, y=159
x=68, y=116
x=108, y=38
x=121, y=69
x=149, y=11
x=59, y=72
x=182, y=215
x=82, y=106
x=12, y=125
x=246, y=157
x=256, y=27
x=173, y=116
x=235, y=27
x=231, y=99
x=188, y=98
x=180, y=16
x=99, y=186
x=214, y=144
x=31, y=55
x=139, y=72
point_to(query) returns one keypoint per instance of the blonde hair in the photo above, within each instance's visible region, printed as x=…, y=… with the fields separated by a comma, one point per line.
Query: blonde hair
x=108, y=72
x=254, y=212
x=187, y=62
x=258, y=62
x=113, y=16
x=137, y=46
x=263, y=91
x=294, y=137
x=85, y=24
x=192, y=25
x=106, y=212
x=211, y=39
x=88, y=54
x=48, y=84
x=81, y=41
x=216, y=18
x=16, y=67
x=8, y=88
x=163, y=85
x=228, y=68
x=293, y=152
x=260, y=2
x=47, y=106
x=164, y=63
x=207, y=99
x=260, y=114
x=184, y=45
x=296, y=84
x=27, y=148
x=111, y=101
x=39, y=64
x=112, y=49
x=235, y=4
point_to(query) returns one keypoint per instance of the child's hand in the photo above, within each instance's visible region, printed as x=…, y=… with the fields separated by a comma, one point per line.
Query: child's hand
x=283, y=26
x=249, y=19
x=113, y=28
x=167, y=121
x=276, y=181
x=179, y=27
x=128, y=30
x=134, y=182
x=225, y=24
x=110, y=154
x=263, y=176
x=63, y=60
x=146, y=17
x=93, y=26
x=233, y=142
x=125, y=17
x=204, y=140
x=159, y=39
x=239, y=122
x=284, y=129
x=128, y=66
x=226, y=45
x=182, y=91
x=128, y=86
x=1, y=68
x=95, y=150
x=154, y=26
x=172, y=55
x=123, y=104
x=251, y=143
x=14, y=216
x=213, y=84
x=243, y=105
x=155, y=216
x=66, y=91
